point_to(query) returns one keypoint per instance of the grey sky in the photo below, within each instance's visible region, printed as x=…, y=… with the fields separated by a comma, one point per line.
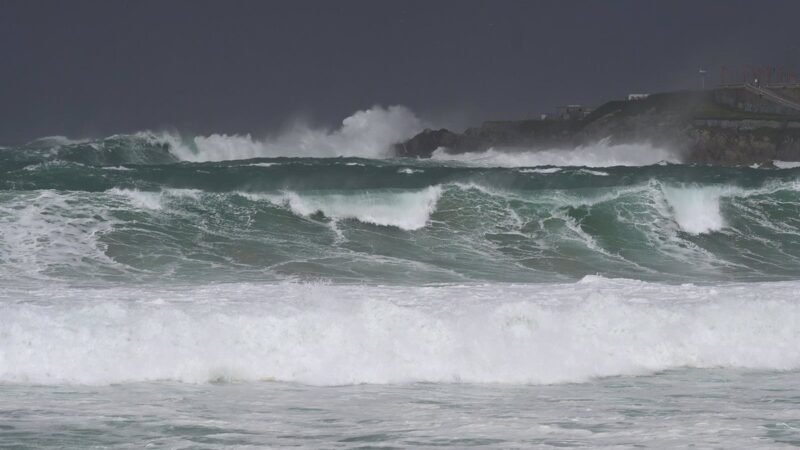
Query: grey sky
x=80, y=68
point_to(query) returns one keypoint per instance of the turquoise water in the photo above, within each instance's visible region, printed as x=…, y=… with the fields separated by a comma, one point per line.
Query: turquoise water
x=110, y=212
x=155, y=295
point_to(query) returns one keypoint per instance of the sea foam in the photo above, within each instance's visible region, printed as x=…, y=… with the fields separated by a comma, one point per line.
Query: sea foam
x=697, y=209
x=368, y=134
x=45, y=231
x=600, y=154
x=405, y=210
x=333, y=335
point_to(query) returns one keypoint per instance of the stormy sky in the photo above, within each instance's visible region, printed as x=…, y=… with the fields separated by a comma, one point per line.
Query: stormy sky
x=87, y=68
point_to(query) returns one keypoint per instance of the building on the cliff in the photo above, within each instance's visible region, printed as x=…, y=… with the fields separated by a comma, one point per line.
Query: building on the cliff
x=637, y=96
x=574, y=112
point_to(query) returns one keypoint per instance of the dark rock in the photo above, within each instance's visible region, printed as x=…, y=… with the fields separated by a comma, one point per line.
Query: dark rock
x=425, y=143
x=695, y=124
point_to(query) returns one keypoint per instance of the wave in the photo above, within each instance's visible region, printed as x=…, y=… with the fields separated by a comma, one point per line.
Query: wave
x=786, y=164
x=151, y=199
x=113, y=151
x=696, y=209
x=54, y=141
x=542, y=170
x=334, y=335
x=601, y=154
x=366, y=134
x=46, y=232
x=369, y=133
x=405, y=210
x=350, y=220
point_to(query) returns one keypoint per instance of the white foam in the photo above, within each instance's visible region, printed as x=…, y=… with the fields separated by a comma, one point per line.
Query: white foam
x=601, y=154
x=48, y=165
x=331, y=335
x=368, y=134
x=405, y=210
x=597, y=173
x=139, y=199
x=153, y=200
x=193, y=194
x=56, y=141
x=546, y=170
x=696, y=209
x=49, y=230
x=409, y=171
x=786, y=164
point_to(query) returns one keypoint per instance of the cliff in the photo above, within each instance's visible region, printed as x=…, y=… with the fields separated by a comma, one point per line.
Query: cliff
x=727, y=126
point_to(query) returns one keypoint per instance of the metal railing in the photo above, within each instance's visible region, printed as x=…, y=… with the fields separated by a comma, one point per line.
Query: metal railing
x=773, y=96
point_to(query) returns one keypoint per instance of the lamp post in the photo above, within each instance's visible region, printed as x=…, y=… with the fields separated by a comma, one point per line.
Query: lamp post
x=703, y=73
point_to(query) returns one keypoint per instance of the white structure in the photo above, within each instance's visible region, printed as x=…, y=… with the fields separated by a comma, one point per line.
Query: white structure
x=574, y=112
x=637, y=96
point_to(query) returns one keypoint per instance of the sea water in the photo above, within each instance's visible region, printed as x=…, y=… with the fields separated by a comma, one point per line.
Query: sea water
x=214, y=292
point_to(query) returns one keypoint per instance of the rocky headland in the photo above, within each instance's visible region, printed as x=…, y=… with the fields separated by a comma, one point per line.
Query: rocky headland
x=733, y=125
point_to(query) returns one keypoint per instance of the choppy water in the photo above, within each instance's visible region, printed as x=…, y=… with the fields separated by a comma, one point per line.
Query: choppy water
x=675, y=409
x=215, y=294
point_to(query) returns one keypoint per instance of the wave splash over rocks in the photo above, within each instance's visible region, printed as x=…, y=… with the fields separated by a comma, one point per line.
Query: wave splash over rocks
x=366, y=134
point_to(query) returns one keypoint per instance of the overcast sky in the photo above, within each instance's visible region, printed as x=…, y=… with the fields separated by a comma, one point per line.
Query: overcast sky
x=91, y=68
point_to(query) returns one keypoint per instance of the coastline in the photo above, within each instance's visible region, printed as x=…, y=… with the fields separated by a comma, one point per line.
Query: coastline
x=728, y=126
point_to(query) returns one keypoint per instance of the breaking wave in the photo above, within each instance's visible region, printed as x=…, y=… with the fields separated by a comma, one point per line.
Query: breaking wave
x=405, y=210
x=122, y=261
x=355, y=221
x=601, y=154
x=334, y=335
x=366, y=134
x=696, y=210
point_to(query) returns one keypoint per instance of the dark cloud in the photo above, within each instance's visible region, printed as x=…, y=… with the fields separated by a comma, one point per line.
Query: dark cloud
x=99, y=67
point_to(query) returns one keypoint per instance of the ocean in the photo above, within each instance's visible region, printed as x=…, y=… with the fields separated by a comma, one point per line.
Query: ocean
x=218, y=293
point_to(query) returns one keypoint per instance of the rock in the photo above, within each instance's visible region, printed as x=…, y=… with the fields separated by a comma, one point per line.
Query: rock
x=692, y=123
x=425, y=143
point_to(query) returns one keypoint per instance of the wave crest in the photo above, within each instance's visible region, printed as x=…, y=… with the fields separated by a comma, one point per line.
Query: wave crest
x=332, y=335
x=601, y=154
x=367, y=134
x=405, y=210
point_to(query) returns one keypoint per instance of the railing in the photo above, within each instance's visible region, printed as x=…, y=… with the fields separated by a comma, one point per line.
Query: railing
x=773, y=96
